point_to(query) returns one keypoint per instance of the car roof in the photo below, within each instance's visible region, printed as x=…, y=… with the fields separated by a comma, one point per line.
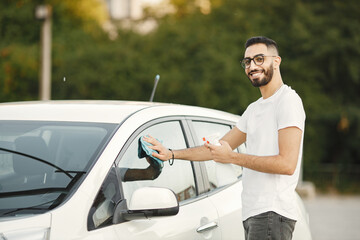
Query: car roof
x=104, y=111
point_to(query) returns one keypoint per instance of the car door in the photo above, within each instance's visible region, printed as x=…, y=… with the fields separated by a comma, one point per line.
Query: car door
x=224, y=181
x=197, y=217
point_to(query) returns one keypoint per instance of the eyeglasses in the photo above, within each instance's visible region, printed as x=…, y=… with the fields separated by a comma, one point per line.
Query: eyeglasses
x=258, y=60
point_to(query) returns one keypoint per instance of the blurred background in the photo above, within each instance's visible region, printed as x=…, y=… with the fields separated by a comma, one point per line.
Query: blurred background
x=113, y=49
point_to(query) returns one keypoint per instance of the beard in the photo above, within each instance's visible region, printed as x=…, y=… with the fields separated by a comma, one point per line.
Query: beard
x=268, y=74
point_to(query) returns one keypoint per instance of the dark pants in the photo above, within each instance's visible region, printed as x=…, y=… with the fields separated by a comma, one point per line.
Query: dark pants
x=268, y=226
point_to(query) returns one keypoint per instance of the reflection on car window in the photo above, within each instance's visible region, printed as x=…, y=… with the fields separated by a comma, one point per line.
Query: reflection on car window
x=102, y=210
x=219, y=174
x=41, y=160
x=178, y=177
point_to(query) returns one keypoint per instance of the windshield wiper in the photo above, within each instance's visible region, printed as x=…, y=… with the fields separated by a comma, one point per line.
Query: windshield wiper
x=38, y=159
x=33, y=192
x=62, y=191
x=36, y=207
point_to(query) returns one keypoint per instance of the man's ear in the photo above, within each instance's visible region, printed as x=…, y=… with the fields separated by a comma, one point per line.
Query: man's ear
x=277, y=62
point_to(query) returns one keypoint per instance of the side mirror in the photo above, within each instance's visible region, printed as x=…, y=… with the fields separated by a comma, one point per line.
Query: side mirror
x=148, y=202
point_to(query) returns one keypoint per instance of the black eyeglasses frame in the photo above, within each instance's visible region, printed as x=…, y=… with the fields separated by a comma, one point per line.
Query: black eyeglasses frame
x=243, y=64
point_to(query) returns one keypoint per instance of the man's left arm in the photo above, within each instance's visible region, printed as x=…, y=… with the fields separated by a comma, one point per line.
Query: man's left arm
x=283, y=163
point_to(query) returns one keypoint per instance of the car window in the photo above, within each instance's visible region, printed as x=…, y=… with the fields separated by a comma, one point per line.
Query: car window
x=102, y=210
x=137, y=172
x=219, y=174
x=44, y=161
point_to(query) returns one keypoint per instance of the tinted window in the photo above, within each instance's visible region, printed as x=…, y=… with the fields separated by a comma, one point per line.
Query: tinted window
x=102, y=210
x=219, y=174
x=137, y=172
x=41, y=161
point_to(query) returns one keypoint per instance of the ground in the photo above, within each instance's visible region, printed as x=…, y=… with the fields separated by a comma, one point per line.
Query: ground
x=334, y=217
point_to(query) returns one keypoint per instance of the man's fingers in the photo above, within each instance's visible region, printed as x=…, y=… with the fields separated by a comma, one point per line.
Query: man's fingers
x=154, y=143
x=158, y=147
x=151, y=140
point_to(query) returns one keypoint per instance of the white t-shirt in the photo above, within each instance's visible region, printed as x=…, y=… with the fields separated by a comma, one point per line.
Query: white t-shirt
x=261, y=122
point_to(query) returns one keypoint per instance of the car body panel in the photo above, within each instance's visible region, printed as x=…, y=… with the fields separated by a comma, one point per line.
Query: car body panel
x=182, y=226
x=230, y=212
x=83, y=111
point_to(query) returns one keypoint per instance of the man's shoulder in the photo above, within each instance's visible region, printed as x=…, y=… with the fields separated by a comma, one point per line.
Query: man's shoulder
x=289, y=94
x=290, y=100
x=253, y=104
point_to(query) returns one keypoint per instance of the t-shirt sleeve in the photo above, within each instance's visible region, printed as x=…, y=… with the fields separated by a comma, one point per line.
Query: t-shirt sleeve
x=241, y=124
x=290, y=112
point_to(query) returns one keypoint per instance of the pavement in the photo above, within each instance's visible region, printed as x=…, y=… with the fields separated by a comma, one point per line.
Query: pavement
x=334, y=217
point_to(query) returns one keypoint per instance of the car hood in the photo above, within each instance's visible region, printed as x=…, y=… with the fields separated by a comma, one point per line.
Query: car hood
x=23, y=222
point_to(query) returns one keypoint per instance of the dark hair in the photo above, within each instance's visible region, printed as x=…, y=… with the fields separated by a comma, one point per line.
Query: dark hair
x=264, y=40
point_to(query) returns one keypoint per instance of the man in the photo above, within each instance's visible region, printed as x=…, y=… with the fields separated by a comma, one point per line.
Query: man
x=273, y=128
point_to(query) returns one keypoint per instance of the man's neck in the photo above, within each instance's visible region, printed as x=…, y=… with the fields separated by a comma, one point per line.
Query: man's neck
x=271, y=88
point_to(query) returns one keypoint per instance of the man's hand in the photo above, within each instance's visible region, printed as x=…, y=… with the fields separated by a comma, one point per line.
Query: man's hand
x=222, y=153
x=163, y=154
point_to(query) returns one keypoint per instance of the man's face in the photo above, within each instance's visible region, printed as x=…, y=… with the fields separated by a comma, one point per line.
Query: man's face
x=259, y=75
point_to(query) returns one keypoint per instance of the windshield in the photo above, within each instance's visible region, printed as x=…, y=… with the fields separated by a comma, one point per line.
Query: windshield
x=41, y=162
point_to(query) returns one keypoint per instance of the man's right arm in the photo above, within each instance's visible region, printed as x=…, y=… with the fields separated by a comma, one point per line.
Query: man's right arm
x=200, y=153
x=234, y=137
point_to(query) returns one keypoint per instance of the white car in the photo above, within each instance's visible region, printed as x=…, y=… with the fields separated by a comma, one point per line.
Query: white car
x=73, y=170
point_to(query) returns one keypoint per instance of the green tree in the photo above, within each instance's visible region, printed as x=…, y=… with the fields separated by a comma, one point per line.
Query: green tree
x=20, y=39
x=319, y=45
x=197, y=55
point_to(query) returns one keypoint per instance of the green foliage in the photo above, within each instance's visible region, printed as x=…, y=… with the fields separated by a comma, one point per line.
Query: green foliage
x=20, y=41
x=197, y=56
x=101, y=70
x=17, y=62
x=17, y=22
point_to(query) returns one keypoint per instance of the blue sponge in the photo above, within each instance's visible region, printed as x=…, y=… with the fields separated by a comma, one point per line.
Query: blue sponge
x=145, y=151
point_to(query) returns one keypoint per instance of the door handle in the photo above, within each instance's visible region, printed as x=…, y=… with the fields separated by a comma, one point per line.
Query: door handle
x=207, y=227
